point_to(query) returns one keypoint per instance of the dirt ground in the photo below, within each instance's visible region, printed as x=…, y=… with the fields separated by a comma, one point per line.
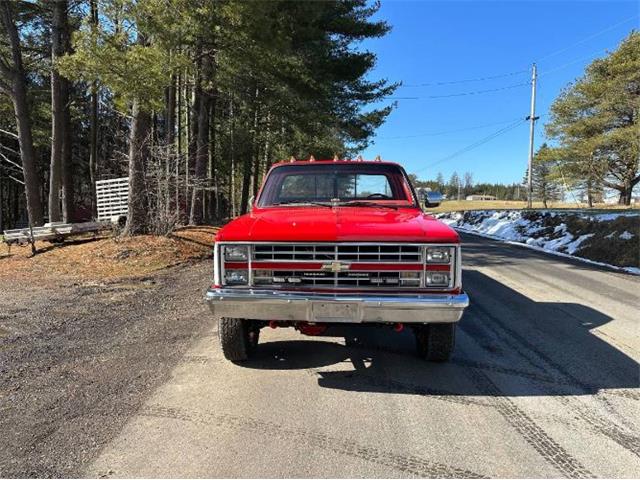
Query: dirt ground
x=107, y=256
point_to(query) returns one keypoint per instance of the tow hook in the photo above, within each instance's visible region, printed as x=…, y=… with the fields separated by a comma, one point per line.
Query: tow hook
x=310, y=329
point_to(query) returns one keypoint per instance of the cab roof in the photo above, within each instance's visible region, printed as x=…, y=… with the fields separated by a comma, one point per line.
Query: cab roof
x=313, y=161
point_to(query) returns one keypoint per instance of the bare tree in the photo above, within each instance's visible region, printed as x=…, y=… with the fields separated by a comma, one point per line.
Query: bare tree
x=14, y=84
x=60, y=175
x=93, y=119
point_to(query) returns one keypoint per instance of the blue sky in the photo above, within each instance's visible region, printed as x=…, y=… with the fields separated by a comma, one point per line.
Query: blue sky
x=438, y=42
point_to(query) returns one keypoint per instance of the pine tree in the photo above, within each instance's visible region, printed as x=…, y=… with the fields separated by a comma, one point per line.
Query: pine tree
x=595, y=121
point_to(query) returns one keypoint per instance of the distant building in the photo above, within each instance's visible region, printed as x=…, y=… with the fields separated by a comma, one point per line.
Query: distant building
x=480, y=197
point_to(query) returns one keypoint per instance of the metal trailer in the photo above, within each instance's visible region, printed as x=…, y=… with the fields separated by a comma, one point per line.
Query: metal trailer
x=112, y=197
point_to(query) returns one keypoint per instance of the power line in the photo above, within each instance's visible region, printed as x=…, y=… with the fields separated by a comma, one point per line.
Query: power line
x=463, y=94
x=476, y=144
x=468, y=80
x=446, y=132
x=574, y=61
x=477, y=92
x=585, y=39
x=519, y=72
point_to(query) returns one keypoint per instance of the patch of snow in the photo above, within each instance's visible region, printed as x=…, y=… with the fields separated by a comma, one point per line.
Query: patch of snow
x=520, y=228
x=607, y=217
x=573, y=246
x=626, y=235
x=632, y=270
x=611, y=234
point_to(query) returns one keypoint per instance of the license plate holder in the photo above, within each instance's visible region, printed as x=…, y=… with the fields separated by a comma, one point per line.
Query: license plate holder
x=339, y=312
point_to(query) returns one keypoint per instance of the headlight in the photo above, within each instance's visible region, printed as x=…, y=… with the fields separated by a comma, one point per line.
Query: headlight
x=437, y=279
x=236, y=277
x=438, y=254
x=236, y=253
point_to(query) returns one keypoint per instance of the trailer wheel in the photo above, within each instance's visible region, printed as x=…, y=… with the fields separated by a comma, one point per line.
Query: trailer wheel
x=238, y=338
x=435, y=342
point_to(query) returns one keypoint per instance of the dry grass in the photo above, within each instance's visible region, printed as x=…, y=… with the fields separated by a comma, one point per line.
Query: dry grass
x=455, y=205
x=106, y=257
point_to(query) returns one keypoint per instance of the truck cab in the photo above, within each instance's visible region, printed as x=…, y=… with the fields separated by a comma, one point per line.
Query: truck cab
x=337, y=242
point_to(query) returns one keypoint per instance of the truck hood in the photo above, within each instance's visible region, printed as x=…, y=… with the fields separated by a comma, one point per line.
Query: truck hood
x=339, y=224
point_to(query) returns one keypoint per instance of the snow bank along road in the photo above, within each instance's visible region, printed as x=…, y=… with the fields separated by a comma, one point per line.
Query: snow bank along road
x=127, y=380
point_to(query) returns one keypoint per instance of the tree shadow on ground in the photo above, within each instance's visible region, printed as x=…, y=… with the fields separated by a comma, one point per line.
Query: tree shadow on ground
x=528, y=348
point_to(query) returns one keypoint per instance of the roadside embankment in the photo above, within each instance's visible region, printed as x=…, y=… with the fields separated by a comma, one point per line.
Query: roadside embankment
x=610, y=238
x=106, y=257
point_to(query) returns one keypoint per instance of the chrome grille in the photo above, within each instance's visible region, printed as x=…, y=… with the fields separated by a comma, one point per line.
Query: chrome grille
x=351, y=253
x=299, y=278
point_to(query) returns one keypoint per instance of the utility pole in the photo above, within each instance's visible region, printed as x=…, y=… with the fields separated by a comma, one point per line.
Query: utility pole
x=532, y=121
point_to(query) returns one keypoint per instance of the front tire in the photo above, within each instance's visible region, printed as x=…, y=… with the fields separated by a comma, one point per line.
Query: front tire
x=238, y=338
x=435, y=341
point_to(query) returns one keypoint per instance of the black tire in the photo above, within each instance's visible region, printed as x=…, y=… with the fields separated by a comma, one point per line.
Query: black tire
x=436, y=341
x=238, y=338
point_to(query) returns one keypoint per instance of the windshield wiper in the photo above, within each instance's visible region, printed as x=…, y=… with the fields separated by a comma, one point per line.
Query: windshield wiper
x=358, y=203
x=297, y=202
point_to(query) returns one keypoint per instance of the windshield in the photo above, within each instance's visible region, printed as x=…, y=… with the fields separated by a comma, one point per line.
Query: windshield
x=344, y=183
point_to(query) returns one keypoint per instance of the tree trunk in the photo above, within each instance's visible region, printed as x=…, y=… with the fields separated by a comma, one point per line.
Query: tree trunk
x=93, y=121
x=201, y=150
x=68, y=191
x=170, y=113
x=179, y=142
x=1, y=203
x=625, y=196
x=249, y=156
x=212, y=175
x=138, y=159
x=232, y=173
x=18, y=93
x=60, y=175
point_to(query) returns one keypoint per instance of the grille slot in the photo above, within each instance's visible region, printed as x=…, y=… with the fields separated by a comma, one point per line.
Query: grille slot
x=343, y=279
x=351, y=253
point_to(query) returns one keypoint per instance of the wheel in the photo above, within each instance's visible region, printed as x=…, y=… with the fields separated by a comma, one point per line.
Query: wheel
x=436, y=341
x=238, y=338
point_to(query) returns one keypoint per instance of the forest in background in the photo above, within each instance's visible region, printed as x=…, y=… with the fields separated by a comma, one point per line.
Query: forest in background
x=193, y=100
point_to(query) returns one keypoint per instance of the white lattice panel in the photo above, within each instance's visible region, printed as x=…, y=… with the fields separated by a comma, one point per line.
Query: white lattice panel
x=112, y=197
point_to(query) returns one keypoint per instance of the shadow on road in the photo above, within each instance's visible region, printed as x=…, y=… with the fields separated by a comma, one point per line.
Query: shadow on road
x=529, y=348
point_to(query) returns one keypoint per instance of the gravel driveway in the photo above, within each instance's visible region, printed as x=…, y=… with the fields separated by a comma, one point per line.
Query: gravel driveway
x=76, y=361
x=126, y=380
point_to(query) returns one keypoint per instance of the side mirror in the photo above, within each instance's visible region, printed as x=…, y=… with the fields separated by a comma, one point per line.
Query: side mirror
x=432, y=199
x=251, y=200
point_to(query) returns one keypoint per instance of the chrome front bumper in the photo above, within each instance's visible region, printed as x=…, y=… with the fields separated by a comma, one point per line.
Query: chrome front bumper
x=340, y=308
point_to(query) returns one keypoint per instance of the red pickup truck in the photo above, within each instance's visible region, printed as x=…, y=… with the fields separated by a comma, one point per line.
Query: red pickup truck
x=337, y=242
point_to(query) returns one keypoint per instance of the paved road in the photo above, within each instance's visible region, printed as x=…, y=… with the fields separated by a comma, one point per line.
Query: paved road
x=544, y=382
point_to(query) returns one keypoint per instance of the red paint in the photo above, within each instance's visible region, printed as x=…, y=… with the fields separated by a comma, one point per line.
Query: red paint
x=316, y=224
x=340, y=224
x=311, y=330
x=438, y=268
x=354, y=266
